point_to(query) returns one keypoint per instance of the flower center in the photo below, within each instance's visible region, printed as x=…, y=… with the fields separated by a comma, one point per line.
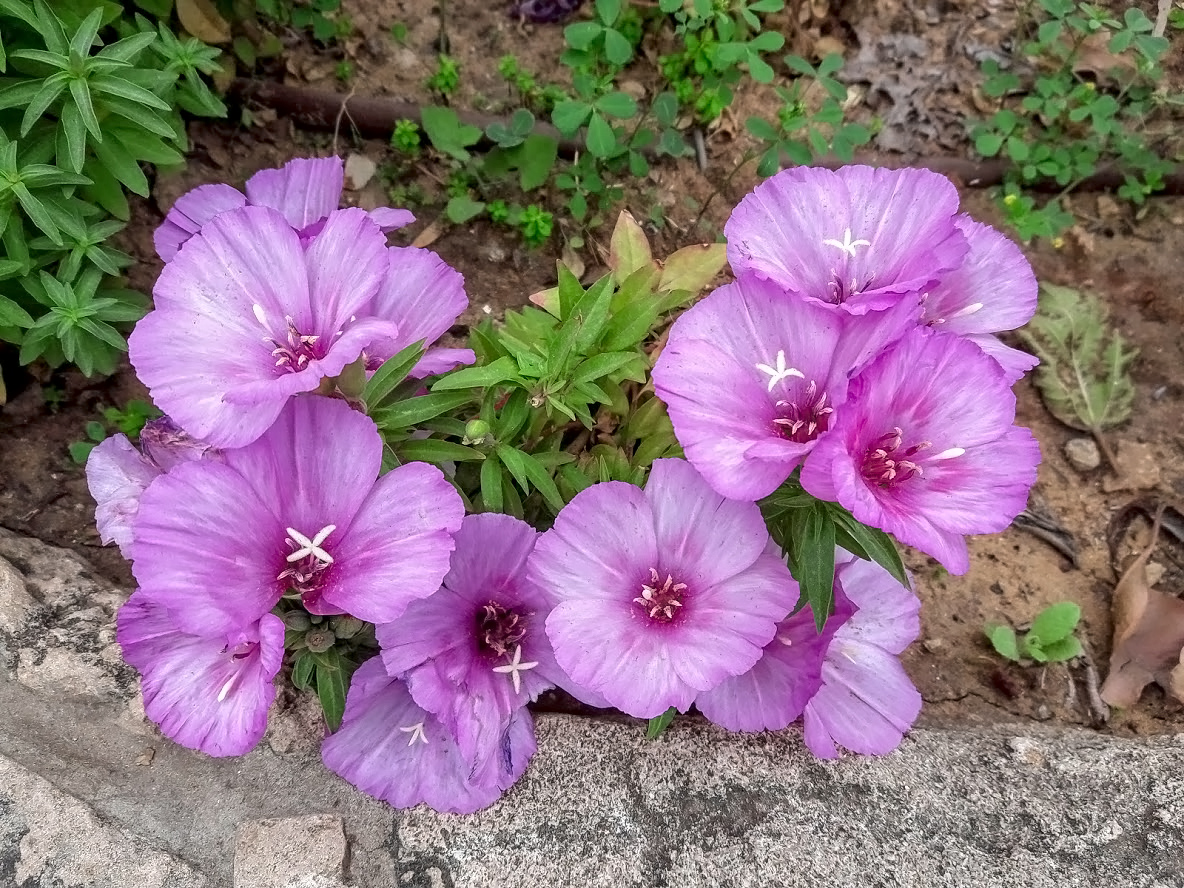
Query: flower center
x=239, y=652
x=885, y=464
x=805, y=417
x=660, y=600
x=499, y=629
x=306, y=563
x=296, y=351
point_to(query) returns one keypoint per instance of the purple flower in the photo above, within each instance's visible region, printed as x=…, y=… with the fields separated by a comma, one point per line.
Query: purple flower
x=298, y=512
x=423, y=295
x=305, y=191
x=475, y=652
x=773, y=693
x=752, y=375
x=993, y=290
x=866, y=702
x=544, y=11
x=925, y=448
x=117, y=474
x=858, y=238
x=394, y=750
x=660, y=594
x=246, y=317
x=207, y=692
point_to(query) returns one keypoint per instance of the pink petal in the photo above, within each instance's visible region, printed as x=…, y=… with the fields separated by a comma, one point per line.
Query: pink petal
x=422, y=294
x=1015, y=363
x=390, y=219
x=347, y=266
x=206, y=546
x=191, y=211
x=697, y=528
x=397, y=548
x=304, y=190
x=117, y=475
x=602, y=546
x=441, y=360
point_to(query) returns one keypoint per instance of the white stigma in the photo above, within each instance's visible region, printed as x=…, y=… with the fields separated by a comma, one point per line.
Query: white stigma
x=416, y=732
x=226, y=687
x=259, y=315
x=968, y=310
x=515, y=668
x=846, y=244
x=949, y=454
x=311, y=546
x=780, y=371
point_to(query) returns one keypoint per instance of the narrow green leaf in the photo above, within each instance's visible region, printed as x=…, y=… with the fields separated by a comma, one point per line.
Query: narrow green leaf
x=81, y=95
x=122, y=165
x=419, y=409
x=491, y=485
x=85, y=36
x=392, y=372
x=431, y=450
x=875, y=545
x=72, y=137
x=814, y=560
x=36, y=212
x=114, y=85
x=502, y=370
x=128, y=48
x=331, y=690
x=46, y=94
x=604, y=365
x=302, y=671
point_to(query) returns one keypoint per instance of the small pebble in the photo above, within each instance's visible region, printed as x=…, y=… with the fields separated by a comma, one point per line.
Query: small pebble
x=359, y=169
x=933, y=645
x=1083, y=454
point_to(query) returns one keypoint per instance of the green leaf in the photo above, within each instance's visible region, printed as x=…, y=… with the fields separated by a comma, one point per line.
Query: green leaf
x=536, y=158
x=85, y=36
x=302, y=671
x=1084, y=372
x=1065, y=649
x=447, y=133
x=46, y=94
x=872, y=543
x=601, y=140
x=814, y=560
x=112, y=155
x=36, y=212
x=528, y=472
x=1003, y=639
x=568, y=116
x=659, y=723
x=392, y=372
x=419, y=409
x=491, y=485
x=502, y=370
x=431, y=450
x=606, y=364
x=79, y=450
x=462, y=208
x=617, y=104
x=1056, y=622
x=581, y=34
x=331, y=689
x=617, y=48
x=113, y=85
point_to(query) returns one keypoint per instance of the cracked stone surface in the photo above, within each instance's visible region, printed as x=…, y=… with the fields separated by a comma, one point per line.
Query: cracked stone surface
x=80, y=771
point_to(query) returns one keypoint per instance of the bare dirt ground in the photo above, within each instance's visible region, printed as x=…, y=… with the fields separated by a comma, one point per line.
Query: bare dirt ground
x=915, y=66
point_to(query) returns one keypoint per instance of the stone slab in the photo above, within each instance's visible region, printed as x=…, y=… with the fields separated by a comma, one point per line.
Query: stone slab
x=600, y=805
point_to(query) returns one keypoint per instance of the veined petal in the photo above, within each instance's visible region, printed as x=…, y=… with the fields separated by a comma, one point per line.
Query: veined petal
x=391, y=219
x=209, y=693
x=304, y=190
x=1015, y=363
x=191, y=211
x=397, y=548
x=117, y=475
x=422, y=294
x=347, y=266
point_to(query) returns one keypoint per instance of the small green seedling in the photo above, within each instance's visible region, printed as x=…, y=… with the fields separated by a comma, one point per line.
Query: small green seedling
x=130, y=421
x=1050, y=640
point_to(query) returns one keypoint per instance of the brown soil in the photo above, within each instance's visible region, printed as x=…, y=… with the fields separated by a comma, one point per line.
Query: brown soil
x=1134, y=264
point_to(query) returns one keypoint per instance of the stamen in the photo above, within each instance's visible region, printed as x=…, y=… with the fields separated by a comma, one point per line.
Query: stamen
x=660, y=603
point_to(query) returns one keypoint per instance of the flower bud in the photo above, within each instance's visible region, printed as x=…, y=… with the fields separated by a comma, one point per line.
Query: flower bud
x=476, y=431
x=297, y=620
x=346, y=626
x=320, y=640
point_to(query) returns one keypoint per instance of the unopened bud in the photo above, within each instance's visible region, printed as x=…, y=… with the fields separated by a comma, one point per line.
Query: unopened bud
x=476, y=431
x=297, y=620
x=319, y=640
x=346, y=626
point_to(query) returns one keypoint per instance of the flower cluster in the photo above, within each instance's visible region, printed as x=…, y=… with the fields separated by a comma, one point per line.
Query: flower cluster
x=856, y=344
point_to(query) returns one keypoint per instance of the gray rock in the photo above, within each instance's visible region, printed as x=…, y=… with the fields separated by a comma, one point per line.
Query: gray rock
x=281, y=853
x=599, y=806
x=1083, y=454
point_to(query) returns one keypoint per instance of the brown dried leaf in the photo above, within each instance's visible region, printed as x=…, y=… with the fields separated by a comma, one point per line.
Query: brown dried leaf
x=201, y=19
x=429, y=235
x=1148, y=635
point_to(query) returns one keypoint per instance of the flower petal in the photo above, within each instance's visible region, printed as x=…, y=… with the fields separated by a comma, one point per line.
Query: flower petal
x=304, y=190
x=117, y=475
x=397, y=548
x=191, y=211
x=206, y=693
x=347, y=266
x=602, y=545
x=422, y=294
x=1015, y=363
x=206, y=546
x=391, y=219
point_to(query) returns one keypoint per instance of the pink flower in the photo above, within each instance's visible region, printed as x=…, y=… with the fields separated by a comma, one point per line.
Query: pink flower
x=925, y=448
x=659, y=594
x=207, y=692
x=857, y=238
x=752, y=376
x=301, y=512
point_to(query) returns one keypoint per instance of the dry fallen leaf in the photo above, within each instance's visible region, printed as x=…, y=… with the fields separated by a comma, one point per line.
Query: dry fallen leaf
x=1148, y=634
x=201, y=19
x=429, y=235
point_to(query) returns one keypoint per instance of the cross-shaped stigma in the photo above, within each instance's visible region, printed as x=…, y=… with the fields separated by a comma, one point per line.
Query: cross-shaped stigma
x=311, y=547
x=846, y=244
x=515, y=668
x=779, y=372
